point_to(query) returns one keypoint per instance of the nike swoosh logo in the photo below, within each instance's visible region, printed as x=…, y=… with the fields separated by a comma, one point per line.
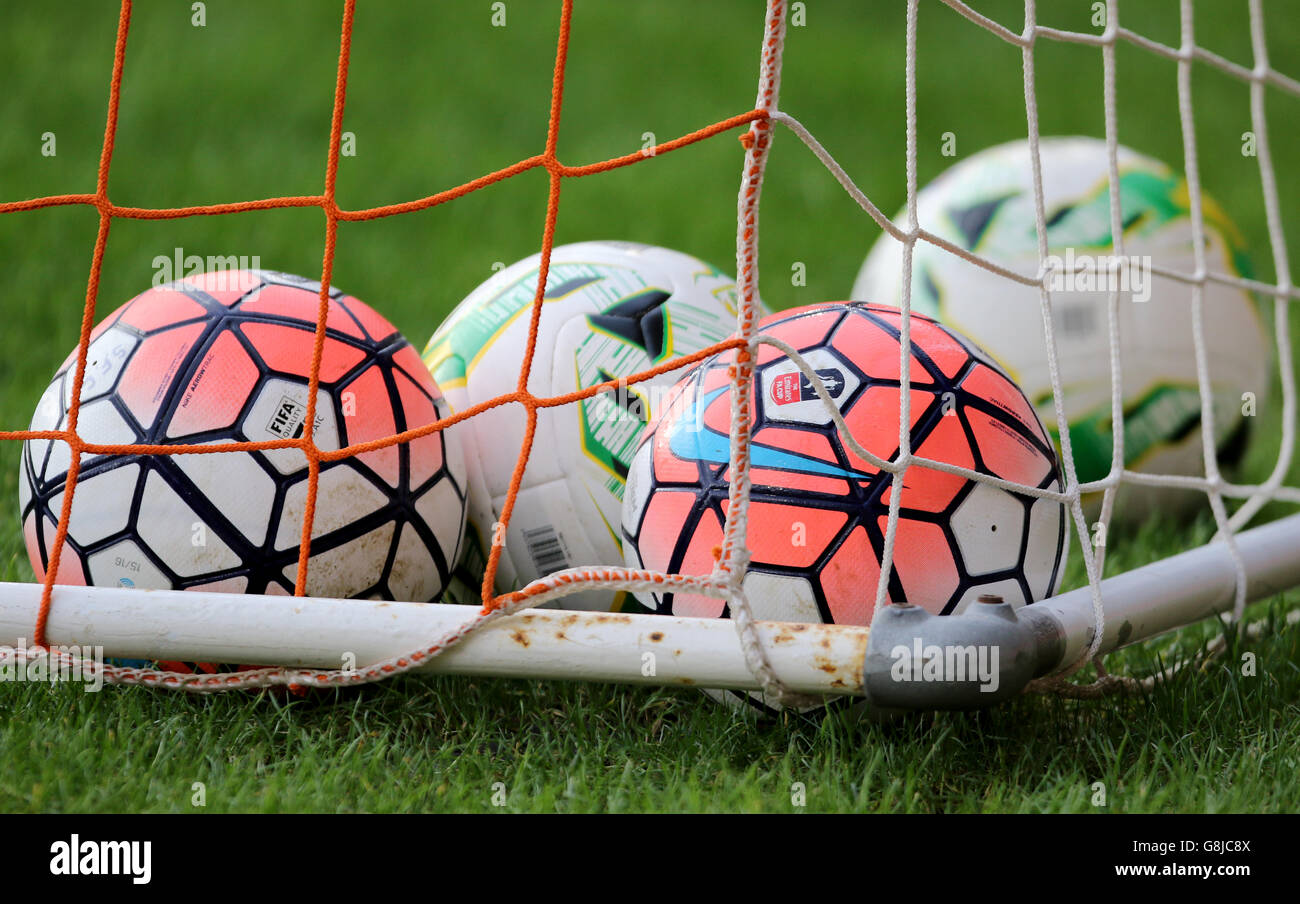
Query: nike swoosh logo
x=691, y=440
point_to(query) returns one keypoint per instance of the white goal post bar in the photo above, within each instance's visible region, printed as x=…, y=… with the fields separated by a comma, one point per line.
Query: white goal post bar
x=662, y=650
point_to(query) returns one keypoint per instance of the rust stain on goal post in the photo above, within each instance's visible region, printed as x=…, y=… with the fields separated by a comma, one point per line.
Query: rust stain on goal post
x=823, y=658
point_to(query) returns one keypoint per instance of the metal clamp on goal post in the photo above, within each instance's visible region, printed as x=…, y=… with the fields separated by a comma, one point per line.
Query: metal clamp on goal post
x=988, y=653
x=917, y=660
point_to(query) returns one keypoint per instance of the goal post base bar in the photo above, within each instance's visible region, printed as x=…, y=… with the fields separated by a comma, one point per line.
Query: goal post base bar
x=1176, y=591
x=316, y=633
x=306, y=632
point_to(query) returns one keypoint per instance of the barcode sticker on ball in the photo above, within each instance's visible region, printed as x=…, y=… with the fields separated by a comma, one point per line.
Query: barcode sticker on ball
x=546, y=549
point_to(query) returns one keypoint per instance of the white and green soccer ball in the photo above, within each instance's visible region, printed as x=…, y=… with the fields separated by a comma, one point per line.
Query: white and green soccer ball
x=610, y=310
x=985, y=204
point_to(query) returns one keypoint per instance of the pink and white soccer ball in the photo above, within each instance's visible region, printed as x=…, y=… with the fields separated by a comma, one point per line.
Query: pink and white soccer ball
x=225, y=358
x=818, y=511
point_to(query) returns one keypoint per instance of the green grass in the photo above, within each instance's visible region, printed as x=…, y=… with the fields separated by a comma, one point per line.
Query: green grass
x=240, y=109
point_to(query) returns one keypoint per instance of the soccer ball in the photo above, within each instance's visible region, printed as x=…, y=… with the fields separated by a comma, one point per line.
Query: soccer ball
x=817, y=513
x=225, y=357
x=610, y=309
x=985, y=204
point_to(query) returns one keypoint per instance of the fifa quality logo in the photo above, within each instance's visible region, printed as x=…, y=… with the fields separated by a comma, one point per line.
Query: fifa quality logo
x=288, y=420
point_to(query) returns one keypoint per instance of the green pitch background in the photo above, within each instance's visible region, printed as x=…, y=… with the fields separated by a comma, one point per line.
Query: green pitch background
x=240, y=109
